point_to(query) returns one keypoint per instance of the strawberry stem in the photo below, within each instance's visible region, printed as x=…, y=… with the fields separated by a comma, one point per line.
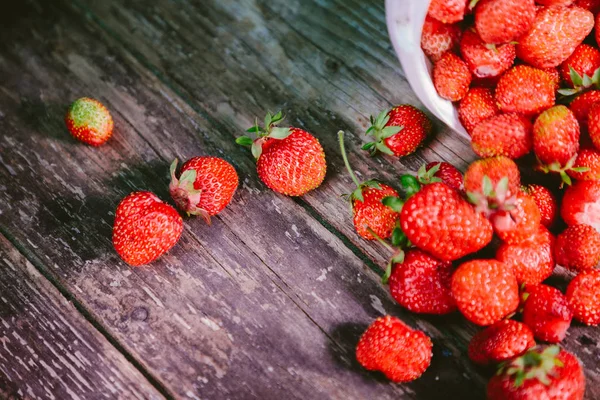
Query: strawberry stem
x=346, y=162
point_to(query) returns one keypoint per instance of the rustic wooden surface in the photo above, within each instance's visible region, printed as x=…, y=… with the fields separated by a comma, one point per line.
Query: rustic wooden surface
x=270, y=300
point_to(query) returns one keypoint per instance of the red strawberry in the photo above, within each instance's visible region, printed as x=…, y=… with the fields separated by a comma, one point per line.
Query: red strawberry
x=546, y=202
x=588, y=160
x=503, y=135
x=503, y=21
x=500, y=342
x=592, y=5
x=578, y=248
x=145, y=228
x=582, y=104
x=584, y=61
x=547, y=313
x=477, y=106
x=532, y=260
x=525, y=90
x=542, y=373
x=447, y=11
x=554, y=35
x=451, y=77
x=484, y=61
x=594, y=125
x=520, y=223
x=442, y=172
x=438, y=38
x=581, y=204
x=398, y=132
x=421, y=284
x=439, y=221
x=583, y=294
x=290, y=161
x=389, y=346
x=485, y=291
x=205, y=186
x=495, y=168
x=89, y=121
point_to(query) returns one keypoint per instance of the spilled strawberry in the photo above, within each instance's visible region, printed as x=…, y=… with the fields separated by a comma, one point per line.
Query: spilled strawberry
x=89, y=121
x=583, y=294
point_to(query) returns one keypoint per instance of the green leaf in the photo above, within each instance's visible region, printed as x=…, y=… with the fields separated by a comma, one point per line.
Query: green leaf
x=358, y=195
x=173, y=169
x=372, y=184
x=473, y=3
x=580, y=169
x=434, y=170
x=370, y=131
x=566, y=179
x=587, y=81
x=244, y=141
x=384, y=149
x=568, y=92
x=188, y=176
x=410, y=184
x=473, y=198
x=254, y=129
x=277, y=118
x=268, y=119
x=393, y=202
x=280, y=133
x=399, y=238
x=575, y=77
x=390, y=131
x=381, y=119
x=256, y=150
x=596, y=77
x=487, y=186
x=502, y=186
x=368, y=146
x=388, y=272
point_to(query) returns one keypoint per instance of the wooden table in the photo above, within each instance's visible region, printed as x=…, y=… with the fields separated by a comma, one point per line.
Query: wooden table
x=270, y=300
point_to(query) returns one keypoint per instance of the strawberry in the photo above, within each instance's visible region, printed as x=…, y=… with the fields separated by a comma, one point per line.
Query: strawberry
x=503, y=21
x=519, y=223
x=290, y=161
x=532, y=260
x=583, y=294
x=546, y=202
x=503, y=135
x=584, y=62
x=547, y=373
x=485, y=61
x=588, y=160
x=592, y=5
x=447, y=11
x=389, y=346
x=547, y=313
x=438, y=38
x=485, y=291
x=594, y=125
x=578, y=248
x=89, y=121
x=554, y=35
x=398, y=132
x=205, y=186
x=477, y=106
x=451, y=77
x=439, y=221
x=500, y=342
x=421, y=284
x=582, y=104
x=581, y=204
x=442, y=172
x=495, y=168
x=145, y=228
x=554, y=77
x=525, y=90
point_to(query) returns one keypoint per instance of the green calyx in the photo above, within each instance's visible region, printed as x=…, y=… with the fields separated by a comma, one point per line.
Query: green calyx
x=581, y=83
x=426, y=176
x=269, y=130
x=184, y=194
x=563, y=171
x=537, y=363
x=492, y=199
x=380, y=133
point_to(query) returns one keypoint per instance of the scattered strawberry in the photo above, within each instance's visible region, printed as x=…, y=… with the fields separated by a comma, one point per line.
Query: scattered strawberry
x=542, y=373
x=578, y=248
x=588, y=165
x=554, y=35
x=451, y=77
x=447, y=11
x=503, y=135
x=389, y=346
x=495, y=168
x=525, y=90
x=477, y=106
x=594, y=125
x=503, y=21
x=484, y=61
x=581, y=204
x=485, y=291
x=546, y=202
x=582, y=104
x=584, y=61
x=519, y=223
x=290, y=161
x=89, y=121
x=500, y=342
x=145, y=228
x=442, y=172
x=438, y=38
x=398, y=132
x=547, y=313
x=583, y=294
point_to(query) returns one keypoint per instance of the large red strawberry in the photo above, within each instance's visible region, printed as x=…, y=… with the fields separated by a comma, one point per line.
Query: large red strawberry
x=554, y=35
x=290, y=161
x=519, y=223
x=542, y=373
x=398, y=132
x=581, y=204
x=546, y=202
x=582, y=105
x=584, y=61
x=477, y=106
x=89, y=121
x=485, y=291
x=442, y=172
x=145, y=228
x=447, y=11
x=503, y=135
x=205, y=186
x=438, y=38
x=484, y=61
x=389, y=346
x=525, y=90
x=594, y=125
x=583, y=294
x=587, y=166
x=451, y=77
x=578, y=248
x=547, y=313
x=503, y=21
x=499, y=342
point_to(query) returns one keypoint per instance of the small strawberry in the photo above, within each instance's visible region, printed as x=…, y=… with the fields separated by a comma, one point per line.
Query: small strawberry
x=485, y=291
x=447, y=11
x=582, y=104
x=205, y=187
x=503, y=21
x=495, y=168
x=520, y=222
x=583, y=294
x=532, y=260
x=290, y=161
x=398, y=132
x=588, y=165
x=547, y=313
x=541, y=373
x=507, y=135
x=581, y=204
x=483, y=60
x=89, y=121
x=594, y=125
x=554, y=35
x=421, y=284
x=578, y=248
x=500, y=342
x=438, y=38
x=592, y=5
x=525, y=90
x=442, y=172
x=389, y=346
x=477, y=106
x=546, y=202
x=451, y=77
x=145, y=228
x=579, y=70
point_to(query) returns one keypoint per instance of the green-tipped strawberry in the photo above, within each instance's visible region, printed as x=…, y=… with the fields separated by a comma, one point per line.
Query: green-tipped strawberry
x=89, y=121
